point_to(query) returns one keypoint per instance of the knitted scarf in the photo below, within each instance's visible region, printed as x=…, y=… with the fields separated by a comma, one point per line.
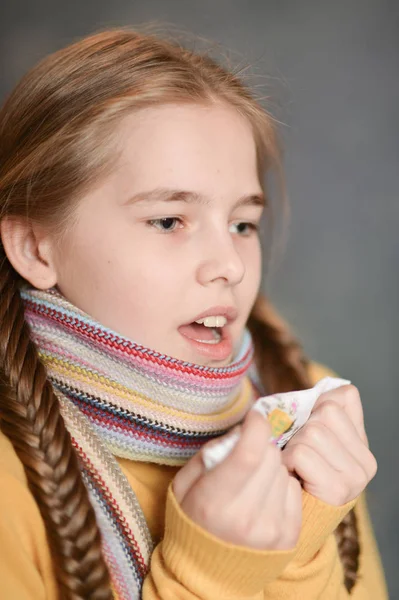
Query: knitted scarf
x=120, y=399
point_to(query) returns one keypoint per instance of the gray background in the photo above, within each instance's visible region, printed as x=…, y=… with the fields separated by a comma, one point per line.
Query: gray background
x=333, y=70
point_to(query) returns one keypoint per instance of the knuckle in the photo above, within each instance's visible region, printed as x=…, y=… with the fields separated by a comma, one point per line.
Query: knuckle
x=372, y=466
x=273, y=533
x=249, y=458
x=330, y=410
x=177, y=492
x=206, y=512
x=299, y=454
x=352, y=392
x=241, y=529
x=314, y=432
x=359, y=479
x=340, y=492
x=177, y=489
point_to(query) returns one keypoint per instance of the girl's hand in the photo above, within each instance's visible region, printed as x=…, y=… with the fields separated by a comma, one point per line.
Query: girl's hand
x=249, y=499
x=330, y=453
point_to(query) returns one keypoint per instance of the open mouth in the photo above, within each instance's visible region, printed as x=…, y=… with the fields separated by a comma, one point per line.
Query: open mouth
x=200, y=333
x=210, y=336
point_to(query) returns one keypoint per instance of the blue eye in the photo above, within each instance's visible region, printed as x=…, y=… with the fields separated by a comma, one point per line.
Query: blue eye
x=165, y=224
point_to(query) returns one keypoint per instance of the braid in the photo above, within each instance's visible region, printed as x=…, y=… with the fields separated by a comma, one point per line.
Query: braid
x=283, y=367
x=31, y=419
x=349, y=548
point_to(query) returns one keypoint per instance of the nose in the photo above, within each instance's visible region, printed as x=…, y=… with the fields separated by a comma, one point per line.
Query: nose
x=220, y=260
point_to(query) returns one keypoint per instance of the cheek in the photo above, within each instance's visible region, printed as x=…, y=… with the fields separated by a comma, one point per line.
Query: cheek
x=248, y=290
x=156, y=287
x=152, y=275
x=253, y=270
x=258, y=264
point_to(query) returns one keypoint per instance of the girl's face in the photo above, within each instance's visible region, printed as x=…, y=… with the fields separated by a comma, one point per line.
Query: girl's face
x=171, y=234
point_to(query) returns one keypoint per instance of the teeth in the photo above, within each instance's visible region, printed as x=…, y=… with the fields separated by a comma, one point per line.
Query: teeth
x=213, y=321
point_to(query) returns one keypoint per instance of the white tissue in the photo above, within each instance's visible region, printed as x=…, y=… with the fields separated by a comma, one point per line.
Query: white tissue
x=298, y=405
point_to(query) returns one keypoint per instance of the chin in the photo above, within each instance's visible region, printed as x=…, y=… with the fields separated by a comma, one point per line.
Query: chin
x=204, y=361
x=215, y=364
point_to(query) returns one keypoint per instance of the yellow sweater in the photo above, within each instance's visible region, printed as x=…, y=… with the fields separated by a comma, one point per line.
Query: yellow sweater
x=188, y=563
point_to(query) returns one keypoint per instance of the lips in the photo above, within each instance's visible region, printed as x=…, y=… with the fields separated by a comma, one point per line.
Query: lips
x=229, y=312
x=202, y=339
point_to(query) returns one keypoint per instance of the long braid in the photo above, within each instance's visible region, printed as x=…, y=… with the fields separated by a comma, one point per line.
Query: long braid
x=283, y=367
x=349, y=548
x=31, y=419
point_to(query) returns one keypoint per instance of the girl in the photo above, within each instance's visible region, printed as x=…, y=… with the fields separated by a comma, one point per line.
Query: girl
x=133, y=333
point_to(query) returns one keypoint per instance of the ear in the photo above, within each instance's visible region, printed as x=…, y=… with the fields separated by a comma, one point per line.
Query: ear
x=29, y=249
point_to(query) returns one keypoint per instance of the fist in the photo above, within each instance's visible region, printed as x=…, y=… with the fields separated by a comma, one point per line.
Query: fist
x=330, y=454
x=249, y=499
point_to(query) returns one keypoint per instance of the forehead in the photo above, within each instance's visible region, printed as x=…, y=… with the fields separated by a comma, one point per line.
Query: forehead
x=186, y=146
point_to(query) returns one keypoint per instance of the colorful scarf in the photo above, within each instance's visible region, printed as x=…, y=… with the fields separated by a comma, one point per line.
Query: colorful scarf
x=121, y=399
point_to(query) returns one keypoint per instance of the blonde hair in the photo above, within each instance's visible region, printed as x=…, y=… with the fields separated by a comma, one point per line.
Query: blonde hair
x=56, y=132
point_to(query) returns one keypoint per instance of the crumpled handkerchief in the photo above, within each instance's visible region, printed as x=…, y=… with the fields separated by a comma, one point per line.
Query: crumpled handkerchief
x=286, y=412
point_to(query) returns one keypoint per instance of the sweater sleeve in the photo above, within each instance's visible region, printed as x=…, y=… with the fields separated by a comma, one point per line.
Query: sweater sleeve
x=190, y=563
x=320, y=574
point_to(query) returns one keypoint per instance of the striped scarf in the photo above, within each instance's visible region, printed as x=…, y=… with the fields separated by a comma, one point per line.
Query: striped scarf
x=121, y=399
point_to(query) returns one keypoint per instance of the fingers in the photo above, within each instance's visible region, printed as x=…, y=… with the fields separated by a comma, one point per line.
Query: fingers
x=243, y=500
x=292, y=516
x=261, y=483
x=348, y=398
x=319, y=478
x=331, y=433
x=282, y=511
x=187, y=477
x=233, y=474
x=330, y=470
x=271, y=516
x=326, y=443
x=259, y=508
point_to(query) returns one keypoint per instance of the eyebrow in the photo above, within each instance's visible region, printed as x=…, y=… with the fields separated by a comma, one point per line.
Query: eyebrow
x=172, y=195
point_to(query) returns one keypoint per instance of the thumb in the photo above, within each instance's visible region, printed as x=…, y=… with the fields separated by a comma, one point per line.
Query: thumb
x=188, y=475
x=194, y=469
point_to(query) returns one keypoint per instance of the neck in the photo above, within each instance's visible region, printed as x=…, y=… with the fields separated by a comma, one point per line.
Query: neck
x=143, y=404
